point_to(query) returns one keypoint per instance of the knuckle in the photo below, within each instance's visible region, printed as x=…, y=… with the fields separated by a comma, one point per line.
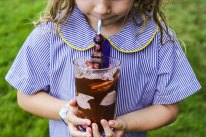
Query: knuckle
x=122, y=124
x=118, y=125
x=76, y=121
x=73, y=120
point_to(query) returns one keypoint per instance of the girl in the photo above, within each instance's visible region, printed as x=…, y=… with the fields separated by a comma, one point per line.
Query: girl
x=155, y=74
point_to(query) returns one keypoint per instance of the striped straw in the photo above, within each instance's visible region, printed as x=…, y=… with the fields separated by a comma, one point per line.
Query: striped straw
x=99, y=26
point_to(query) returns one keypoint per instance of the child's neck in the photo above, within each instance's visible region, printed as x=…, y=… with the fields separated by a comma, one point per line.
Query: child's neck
x=109, y=30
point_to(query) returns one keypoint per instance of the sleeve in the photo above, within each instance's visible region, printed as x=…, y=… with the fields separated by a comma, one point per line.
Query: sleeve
x=176, y=79
x=29, y=72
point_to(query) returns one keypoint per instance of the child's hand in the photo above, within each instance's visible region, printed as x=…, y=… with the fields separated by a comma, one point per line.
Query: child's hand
x=73, y=121
x=119, y=126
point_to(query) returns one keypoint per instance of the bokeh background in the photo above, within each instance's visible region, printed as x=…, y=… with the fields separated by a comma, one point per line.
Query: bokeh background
x=186, y=17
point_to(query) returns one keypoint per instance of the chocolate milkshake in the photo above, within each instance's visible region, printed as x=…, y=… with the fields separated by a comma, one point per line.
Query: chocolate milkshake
x=96, y=90
x=96, y=79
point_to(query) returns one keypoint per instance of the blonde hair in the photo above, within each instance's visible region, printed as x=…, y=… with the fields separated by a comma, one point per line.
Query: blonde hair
x=58, y=11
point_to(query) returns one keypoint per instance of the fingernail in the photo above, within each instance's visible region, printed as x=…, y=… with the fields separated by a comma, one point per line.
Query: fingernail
x=88, y=122
x=103, y=122
x=94, y=126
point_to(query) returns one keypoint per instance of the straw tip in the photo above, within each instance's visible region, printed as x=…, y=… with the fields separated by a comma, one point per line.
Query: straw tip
x=99, y=26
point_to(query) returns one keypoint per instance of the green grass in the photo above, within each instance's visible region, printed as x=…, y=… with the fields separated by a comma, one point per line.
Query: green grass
x=15, y=20
x=186, y=17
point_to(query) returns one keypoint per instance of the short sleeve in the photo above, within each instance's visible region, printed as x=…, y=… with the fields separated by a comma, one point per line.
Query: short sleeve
x=29, y=72
x=176, y=79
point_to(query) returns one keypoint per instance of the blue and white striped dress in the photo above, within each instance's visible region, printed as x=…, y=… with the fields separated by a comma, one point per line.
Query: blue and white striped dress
x=151, y=73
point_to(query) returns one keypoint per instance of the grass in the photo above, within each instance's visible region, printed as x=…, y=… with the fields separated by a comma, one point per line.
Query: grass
x=15, y=20
x=186, y=17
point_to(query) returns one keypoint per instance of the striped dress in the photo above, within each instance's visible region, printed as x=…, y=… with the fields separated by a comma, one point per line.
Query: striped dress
x=151, y=72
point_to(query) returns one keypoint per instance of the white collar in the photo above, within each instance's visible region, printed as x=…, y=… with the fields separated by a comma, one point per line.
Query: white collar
x=77, y=33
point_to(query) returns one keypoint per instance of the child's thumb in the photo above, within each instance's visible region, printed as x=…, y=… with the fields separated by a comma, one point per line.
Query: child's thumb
x=118, y=124
x=73, y=102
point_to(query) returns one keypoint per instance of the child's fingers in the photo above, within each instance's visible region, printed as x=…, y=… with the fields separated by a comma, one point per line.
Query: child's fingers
x=117, y=124
x=72, y=115
x=88, y=130
x=76, y=133
x=95, y=130
x=108, y=131
x=72, y=118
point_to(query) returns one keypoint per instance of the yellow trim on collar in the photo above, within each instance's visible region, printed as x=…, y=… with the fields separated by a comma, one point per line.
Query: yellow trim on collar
x=125, y=51
x=136, y=50
x=69, y=44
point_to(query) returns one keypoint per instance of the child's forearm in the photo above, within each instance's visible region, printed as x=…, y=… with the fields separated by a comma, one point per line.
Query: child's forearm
x=41, y=104
x=150, y=118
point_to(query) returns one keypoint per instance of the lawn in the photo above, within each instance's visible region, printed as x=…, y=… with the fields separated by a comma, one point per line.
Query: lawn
x=186, y=17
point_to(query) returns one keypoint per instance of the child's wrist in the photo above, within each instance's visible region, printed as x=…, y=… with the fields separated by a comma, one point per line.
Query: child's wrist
x=63, y=113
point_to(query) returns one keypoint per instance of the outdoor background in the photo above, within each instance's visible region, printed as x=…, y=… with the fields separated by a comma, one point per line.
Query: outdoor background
x=186, y=17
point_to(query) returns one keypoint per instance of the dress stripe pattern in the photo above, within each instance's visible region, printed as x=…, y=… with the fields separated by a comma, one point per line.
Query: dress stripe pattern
x=156, y=74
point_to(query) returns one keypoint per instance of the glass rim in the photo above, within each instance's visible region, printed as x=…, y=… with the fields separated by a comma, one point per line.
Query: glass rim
x=85, y=57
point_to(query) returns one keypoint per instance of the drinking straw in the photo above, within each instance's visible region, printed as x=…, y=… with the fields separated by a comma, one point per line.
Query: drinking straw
x=99, y=29
x=106, y=47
